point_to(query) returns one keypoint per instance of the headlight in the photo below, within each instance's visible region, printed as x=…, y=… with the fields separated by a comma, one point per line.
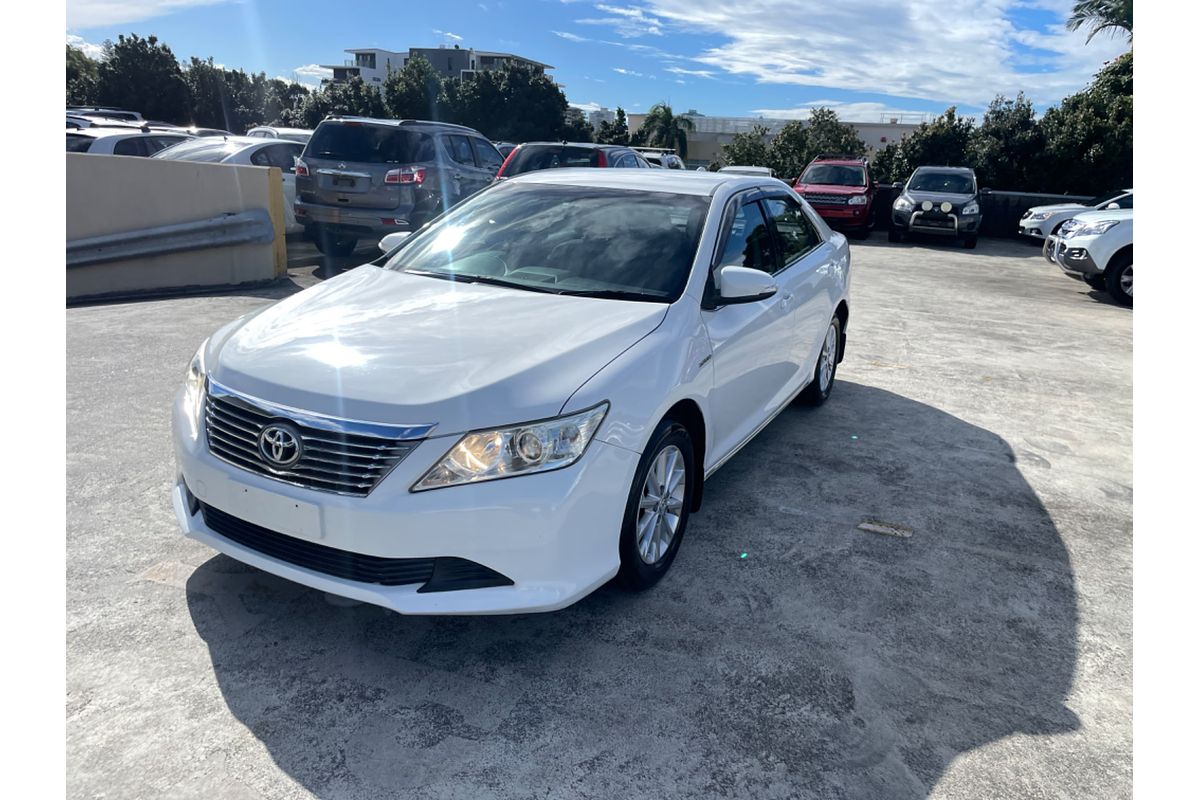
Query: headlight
x=518, y=450
x=970, y=208
x=1096, y=228
x=1036, y=217
x=193, y=386
x=902, y=203
x=857, y=200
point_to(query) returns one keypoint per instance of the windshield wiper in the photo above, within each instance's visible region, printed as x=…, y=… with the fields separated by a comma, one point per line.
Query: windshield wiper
x=487, y=280
x=613, y=294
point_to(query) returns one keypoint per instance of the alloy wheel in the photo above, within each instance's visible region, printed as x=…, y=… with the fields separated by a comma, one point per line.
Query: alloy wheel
x=661, y=505
x=828, y=358
x=1127, y=280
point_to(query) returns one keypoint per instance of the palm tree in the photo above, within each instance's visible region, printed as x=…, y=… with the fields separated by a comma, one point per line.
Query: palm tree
x=663, y=129
x=1102, y=15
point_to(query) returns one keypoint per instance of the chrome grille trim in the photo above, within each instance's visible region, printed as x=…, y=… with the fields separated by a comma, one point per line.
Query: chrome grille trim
x=339, y=456
x=827, y=199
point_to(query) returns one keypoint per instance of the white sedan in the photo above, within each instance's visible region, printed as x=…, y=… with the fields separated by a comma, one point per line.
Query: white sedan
x=260, y=152
x=1041, y=222
x=518, y=402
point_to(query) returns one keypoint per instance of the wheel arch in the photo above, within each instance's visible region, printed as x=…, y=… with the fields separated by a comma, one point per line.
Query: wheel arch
x=1118, y=256
x=842, y=312
x=687, y=413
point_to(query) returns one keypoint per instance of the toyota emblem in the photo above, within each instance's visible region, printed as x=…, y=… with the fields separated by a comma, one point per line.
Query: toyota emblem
x=279, y=444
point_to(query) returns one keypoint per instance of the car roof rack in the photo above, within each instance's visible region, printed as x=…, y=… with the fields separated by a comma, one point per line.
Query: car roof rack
x=839, y=157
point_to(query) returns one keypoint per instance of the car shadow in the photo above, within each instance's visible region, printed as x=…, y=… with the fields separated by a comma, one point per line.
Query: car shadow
x=788, y=653
x=986, y=245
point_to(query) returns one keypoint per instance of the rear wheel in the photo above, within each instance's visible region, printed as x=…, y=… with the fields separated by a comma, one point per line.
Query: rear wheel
x=1118, y=279
x=656, y=512
x=819, y=388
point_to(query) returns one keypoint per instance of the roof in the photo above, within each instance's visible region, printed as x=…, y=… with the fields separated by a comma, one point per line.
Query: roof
x=592, y=145
x=963, y=170
x=395, y=123
x=98, y=132
x=494, y=54
x=675, y=181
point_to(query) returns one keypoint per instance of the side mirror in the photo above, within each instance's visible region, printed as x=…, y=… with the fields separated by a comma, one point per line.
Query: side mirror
x=393, y=240
x=1111, y=207
x=745, y=285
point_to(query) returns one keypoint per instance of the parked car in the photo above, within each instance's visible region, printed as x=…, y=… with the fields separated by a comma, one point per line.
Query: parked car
x=533, y=156
x=121, y=141
x=842, y=190
x=301, y=135
x=522, y=401
x=1040, y=221
x=661, y=158
x=504, y=148
x=105, y=113
x=1096, y=247
x=938, y=200
x=247, y=150
x=368, y=177
x=758, y=171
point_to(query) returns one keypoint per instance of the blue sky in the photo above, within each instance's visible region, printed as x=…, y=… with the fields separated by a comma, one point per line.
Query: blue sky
x=775, y=58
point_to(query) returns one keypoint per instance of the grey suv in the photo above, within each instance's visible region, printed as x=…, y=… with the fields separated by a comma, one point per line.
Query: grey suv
x=369, y=177
x=938, y=200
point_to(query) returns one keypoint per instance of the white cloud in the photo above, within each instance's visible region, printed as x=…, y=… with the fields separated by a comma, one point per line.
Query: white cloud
x=311, y=74
x=696, y=73
x=570, y=37
x=586, y=107
x=99, y=13
x=448, y=35
x=628, y=72
x=89, y=49
x=847, y=112
x=628, y=22
x=964, y=52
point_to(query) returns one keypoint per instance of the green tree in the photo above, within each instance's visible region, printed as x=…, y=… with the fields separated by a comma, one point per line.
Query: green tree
x=143, y=75
x=944, y=142
x=1096, y=16
x=747, y=149
x=828, y=134
x=284, y=101
x=82, y=73
x=889, y=165
x=1007, y=149
x=576, y=128
x=788, y=153
x=516, y=104
x=615, y=132
x=354, y=97
x=663, y=128
x=1089, y=136
x=415, y=91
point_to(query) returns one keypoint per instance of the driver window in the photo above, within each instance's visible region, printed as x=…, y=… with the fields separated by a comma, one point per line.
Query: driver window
x=748, y=241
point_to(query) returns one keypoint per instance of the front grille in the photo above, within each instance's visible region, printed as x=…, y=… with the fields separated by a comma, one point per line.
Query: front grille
x=331, y=461
x=441, y=574
x=827, y=199
x=934, y=222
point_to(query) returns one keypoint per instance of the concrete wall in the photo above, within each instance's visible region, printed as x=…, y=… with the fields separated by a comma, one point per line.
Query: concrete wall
x=116, y=194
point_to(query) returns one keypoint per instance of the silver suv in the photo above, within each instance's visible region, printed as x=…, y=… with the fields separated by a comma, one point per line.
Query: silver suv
x=369, y=177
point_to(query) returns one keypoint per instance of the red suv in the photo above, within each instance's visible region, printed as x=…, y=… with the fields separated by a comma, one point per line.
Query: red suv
x=841, y=190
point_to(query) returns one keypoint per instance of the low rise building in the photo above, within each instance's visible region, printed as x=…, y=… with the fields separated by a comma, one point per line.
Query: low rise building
x=372, y=64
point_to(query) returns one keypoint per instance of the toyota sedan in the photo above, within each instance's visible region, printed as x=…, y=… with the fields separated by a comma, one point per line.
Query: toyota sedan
x=519, y=402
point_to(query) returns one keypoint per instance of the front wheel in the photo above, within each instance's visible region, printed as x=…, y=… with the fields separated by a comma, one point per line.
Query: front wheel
x=657, y=510
x=1118, y=279
x=819, y=388
x=970, y=242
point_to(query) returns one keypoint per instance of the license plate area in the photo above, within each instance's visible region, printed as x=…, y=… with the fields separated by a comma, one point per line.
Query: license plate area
x=272, y=511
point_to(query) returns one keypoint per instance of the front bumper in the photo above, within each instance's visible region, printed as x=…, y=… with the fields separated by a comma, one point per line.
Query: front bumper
x=554, y=534
x=920, y=221
x=1072, y=257
x=846, y=216
x=1031, y=228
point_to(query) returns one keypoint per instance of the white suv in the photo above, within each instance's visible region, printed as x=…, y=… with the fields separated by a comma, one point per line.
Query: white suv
x=1042, y=221
x=1096, y=247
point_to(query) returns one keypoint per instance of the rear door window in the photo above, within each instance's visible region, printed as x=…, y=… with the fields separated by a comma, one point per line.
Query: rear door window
x=486, y=155
x=369, y=144
x=459, y=148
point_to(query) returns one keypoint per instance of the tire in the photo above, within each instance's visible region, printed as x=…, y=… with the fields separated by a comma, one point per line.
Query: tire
x=821, y=386
x=332, y=244
x=895, y=234
x=670, y=448
x=1097, y=282
x=1118, y=279
x=970, y=242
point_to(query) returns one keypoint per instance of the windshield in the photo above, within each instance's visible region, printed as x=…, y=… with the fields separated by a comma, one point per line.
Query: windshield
x=945, y=182
x=213, y=153
x=835, y=175
x=369, y=144
x=1104, y=199
x=576, y=240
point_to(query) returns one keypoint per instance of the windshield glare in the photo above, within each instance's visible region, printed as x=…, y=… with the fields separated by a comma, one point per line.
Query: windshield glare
x=945, y=182
x=835, y=175
x=579, y=240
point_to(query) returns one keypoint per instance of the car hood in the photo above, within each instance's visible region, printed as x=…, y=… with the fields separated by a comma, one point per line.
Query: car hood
x=1097, y=216
x=1057, y=207
x=940, y=197
x=383, y=346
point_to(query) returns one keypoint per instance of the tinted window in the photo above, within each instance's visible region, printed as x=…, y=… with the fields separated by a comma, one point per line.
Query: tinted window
x=277, y=155
x=566, y=239
x=796, y=234
x=748, y=241
x=156, y=143
x=212, y=155
x=486, y=156
x=625, y=161
x=835, y=175
x=948, y=182
x=551, y=156
x=78, y=144
x=129, y=147
x=460, y=149
x=371, y=144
